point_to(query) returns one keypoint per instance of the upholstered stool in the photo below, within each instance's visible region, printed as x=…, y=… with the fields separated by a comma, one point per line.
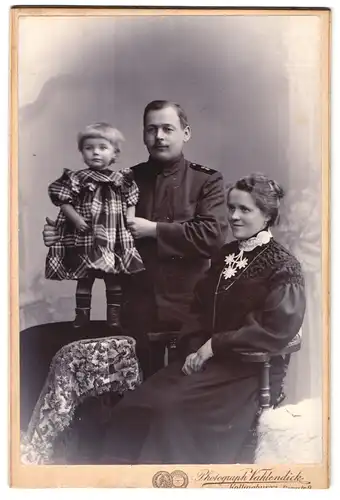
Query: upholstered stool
x=38, y=346
x=84, y=368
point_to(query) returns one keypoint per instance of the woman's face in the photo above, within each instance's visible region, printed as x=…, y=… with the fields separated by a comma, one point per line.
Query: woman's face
x=245, y=217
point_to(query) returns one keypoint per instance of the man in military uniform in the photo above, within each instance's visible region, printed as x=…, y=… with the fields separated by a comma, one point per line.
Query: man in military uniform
x=180, y=222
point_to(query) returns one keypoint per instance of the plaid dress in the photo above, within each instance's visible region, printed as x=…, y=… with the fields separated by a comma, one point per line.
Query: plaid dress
x=101, y=198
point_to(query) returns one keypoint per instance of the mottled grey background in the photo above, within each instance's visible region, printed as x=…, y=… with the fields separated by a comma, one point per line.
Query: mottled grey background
x=249, y=85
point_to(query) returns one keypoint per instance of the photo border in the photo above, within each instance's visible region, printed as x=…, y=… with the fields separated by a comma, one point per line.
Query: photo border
x=144, y=476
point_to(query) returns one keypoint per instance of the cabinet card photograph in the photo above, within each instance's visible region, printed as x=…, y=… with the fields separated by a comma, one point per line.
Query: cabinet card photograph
x=169, y=187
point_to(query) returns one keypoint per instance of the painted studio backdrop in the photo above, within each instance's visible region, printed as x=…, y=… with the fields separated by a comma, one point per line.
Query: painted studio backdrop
x=250, y=86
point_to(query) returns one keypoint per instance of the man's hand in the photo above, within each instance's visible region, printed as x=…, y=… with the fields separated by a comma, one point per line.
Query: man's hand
x=50, y=233
x=141, y=228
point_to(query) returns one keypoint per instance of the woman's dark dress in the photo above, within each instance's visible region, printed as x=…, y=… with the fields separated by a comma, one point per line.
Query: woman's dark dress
x=206, y=417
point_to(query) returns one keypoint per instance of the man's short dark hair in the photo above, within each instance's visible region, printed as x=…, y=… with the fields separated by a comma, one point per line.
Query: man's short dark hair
x=156, y=105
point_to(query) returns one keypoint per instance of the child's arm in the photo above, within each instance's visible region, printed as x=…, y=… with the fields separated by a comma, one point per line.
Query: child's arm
x=131, y=211
x=71, y=214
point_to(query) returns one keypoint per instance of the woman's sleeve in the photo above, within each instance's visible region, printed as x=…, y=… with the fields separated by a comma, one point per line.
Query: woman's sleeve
x=65, y=189
x=275, y=325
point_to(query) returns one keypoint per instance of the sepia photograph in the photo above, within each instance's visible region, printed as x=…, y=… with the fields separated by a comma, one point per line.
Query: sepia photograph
x=169, y=247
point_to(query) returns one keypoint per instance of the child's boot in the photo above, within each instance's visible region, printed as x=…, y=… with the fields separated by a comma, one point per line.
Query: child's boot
x=82, y=317
x=113, y=317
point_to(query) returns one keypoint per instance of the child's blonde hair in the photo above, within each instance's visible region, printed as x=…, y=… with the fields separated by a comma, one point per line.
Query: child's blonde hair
x=101, y=130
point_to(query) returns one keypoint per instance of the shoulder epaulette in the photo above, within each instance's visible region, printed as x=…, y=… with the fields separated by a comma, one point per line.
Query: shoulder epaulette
x=202, y=168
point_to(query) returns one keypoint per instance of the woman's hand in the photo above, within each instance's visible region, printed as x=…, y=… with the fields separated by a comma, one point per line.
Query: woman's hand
x=202, y=355
x=188, y=367
x=195, y=361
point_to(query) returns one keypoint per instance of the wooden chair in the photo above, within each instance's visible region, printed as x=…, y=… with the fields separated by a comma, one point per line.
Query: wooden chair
x=265, y=358
x=248, y=452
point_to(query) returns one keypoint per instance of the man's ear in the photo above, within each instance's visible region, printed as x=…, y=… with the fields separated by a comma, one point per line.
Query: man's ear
x=187, y=133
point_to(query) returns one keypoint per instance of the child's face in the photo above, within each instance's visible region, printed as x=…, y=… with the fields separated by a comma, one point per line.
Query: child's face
x=98, y=153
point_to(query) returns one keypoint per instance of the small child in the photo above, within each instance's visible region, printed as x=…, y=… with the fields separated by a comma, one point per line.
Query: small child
x=95, y=241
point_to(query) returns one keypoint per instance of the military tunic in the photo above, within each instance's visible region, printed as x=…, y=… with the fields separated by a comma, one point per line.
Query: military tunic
x=188, y=203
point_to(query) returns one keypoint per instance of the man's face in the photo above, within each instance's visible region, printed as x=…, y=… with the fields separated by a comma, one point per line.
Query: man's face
x=163, y=135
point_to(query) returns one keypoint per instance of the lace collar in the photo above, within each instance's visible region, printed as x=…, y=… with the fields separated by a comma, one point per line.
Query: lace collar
x=262, y=238
x=234, y=263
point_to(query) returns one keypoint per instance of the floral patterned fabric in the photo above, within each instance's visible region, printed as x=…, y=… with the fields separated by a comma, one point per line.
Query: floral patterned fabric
x=81, y=369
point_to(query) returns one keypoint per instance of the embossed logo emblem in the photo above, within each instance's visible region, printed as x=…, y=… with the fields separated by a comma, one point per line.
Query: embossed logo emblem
x=179, y=479
x=162, y=479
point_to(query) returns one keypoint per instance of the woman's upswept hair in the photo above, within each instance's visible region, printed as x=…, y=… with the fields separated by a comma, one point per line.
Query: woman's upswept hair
x=265, y=192
x=101, y=130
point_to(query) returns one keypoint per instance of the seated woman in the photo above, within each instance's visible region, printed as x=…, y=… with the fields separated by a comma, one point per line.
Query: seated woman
x=200, y=408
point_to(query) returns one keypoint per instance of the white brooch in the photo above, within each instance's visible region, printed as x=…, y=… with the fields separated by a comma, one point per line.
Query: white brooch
x=233, y=264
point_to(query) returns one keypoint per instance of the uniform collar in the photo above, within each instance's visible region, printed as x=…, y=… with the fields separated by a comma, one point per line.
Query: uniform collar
x=167, y=168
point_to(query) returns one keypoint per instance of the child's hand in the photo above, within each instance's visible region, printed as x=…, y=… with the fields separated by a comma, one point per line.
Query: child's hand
x=81, y=225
